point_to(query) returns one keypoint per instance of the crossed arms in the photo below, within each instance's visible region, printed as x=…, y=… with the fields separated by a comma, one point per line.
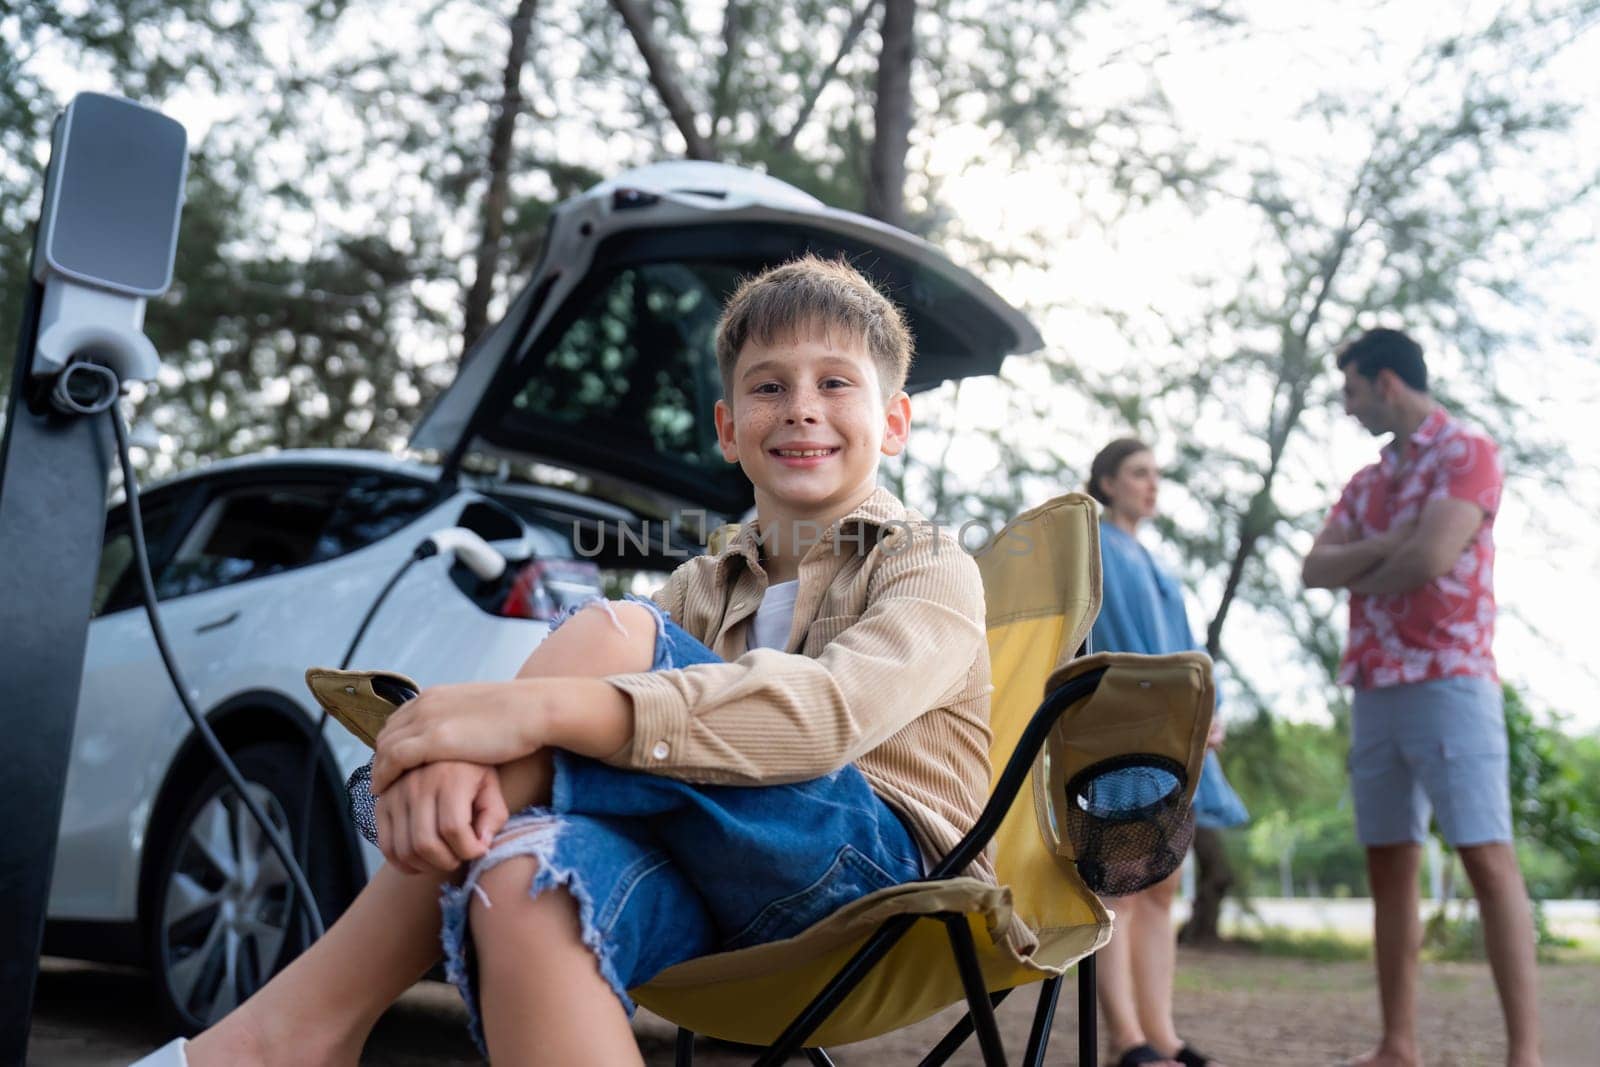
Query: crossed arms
x=1402, y=558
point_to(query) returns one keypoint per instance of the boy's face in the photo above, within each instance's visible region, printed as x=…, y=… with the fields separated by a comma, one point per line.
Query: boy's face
x=807, y=420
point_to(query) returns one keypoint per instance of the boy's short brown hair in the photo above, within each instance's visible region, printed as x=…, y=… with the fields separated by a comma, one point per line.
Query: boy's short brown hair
x=808, y=292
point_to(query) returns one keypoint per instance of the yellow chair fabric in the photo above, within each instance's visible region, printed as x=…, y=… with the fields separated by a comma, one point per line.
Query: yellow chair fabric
x=1042, y=583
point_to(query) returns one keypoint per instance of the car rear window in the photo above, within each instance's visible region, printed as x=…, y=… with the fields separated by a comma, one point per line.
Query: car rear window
x=638, y=362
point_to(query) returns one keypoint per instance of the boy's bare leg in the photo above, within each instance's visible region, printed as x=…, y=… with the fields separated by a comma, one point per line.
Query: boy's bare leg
x=541, y=992
x=1508, y=935
x=560, y=1010
x=321, y=1007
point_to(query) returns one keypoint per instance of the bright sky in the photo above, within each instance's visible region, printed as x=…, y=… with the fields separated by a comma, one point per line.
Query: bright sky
x=1249, y=93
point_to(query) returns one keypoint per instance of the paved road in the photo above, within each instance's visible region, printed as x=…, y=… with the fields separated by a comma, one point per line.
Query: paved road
x=1352, y=916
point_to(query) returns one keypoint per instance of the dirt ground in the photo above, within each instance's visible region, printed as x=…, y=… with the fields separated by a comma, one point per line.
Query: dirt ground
x=1239, y=1006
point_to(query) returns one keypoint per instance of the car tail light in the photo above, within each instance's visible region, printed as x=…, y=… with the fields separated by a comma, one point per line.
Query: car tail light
x=543, y=587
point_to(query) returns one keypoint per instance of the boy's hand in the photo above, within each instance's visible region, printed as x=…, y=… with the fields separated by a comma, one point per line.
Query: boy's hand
x=438, y=817
x=493, y=723
x=488, y=723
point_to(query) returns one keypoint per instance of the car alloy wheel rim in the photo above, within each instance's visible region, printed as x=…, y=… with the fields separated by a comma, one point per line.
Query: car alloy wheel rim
x=227, y=905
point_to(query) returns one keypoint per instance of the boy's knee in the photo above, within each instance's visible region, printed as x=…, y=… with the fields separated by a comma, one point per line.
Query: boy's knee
x=506, y=911
x=505, y=882
x=619, y=628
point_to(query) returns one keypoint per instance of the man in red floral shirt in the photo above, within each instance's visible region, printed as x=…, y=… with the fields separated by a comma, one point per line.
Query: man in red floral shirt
x=1411, y=538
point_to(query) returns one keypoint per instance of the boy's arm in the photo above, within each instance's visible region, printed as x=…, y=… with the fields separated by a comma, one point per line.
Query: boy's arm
x=496, y=723
x=502, y=723
x=772, y=716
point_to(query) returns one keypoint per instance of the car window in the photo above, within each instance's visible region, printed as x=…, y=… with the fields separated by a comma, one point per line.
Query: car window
x=371, y=508
x=261, y=530
x=248, y=533
x=639, y=360
x=116, y=585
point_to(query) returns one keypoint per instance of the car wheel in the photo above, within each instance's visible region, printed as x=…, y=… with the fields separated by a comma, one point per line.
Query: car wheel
x=221, y=914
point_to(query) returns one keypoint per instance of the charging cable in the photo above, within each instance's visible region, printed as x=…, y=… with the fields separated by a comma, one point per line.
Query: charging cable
x=87, y=389
x=468, y=548
x=141, y=561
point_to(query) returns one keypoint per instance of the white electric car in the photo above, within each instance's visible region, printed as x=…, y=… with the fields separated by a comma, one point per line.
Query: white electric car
x=267, y=565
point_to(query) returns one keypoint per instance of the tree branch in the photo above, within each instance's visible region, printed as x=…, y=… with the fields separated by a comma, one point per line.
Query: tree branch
x=1262, y=514
x=664, y=78
x=732, y=35
x=858, y=22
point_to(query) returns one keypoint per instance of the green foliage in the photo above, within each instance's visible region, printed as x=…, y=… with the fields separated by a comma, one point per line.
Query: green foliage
x=1294, y=944
x=1555, y=804
x=1301, y=838
x=1454, y=933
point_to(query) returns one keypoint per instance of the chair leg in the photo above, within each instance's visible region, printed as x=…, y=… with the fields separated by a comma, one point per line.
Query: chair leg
x=1088, y=1039
x=966, y=953
x=683, y=1055
x=1043, y=1016
x=957, y=1036
x=819, y=1057
x=832, y=995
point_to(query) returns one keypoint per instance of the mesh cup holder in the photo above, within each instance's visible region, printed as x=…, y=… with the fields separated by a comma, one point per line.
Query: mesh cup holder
x=1128, y=822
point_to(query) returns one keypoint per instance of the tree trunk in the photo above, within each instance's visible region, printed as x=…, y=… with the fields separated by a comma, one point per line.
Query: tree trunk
x=886, y=180
x=487, y=264
x=1213, y=877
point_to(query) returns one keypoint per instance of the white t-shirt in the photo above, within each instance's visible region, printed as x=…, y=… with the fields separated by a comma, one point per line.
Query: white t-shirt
x=770, y=629
x=775, y=616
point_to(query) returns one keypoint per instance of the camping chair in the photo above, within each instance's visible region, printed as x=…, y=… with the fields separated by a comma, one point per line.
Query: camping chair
x=1110, y=759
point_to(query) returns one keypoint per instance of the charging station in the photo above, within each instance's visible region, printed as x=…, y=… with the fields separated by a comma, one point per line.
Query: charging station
x=105, y=243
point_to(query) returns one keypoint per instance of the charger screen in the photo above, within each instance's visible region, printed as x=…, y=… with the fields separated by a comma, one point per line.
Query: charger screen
x=120, y=173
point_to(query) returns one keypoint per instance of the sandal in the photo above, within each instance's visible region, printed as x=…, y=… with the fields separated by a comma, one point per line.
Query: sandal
x=1132, y=1057
x=362, y=701
x=1189, y=1057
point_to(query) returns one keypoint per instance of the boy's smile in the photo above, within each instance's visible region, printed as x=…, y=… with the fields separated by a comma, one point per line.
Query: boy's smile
x=807, y=420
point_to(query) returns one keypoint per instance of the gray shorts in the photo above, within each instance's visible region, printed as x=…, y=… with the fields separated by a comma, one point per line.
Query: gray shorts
x=1436, y=746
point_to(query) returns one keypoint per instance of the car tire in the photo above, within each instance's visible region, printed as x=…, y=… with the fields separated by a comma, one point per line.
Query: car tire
x=220, y=912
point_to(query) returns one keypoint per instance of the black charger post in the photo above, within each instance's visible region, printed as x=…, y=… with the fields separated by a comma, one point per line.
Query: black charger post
x=105, y=243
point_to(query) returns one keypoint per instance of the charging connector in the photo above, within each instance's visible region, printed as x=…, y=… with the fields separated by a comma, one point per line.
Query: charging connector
x=84, y=388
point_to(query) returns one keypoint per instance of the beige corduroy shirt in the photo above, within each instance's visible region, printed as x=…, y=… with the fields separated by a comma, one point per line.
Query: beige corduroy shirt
x=886, y=667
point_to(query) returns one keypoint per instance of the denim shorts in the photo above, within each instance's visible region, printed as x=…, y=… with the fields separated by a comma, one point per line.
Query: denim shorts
x=664, y=871
x=1436, y=746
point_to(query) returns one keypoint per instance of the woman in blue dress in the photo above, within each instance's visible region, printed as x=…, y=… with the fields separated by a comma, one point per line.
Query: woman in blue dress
x=1143, y=612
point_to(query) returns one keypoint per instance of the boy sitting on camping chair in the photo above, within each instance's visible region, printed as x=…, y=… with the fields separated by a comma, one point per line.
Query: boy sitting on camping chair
x=794, y=723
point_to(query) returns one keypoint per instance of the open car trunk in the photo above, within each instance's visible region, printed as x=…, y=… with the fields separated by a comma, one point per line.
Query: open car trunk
x=605, y=363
